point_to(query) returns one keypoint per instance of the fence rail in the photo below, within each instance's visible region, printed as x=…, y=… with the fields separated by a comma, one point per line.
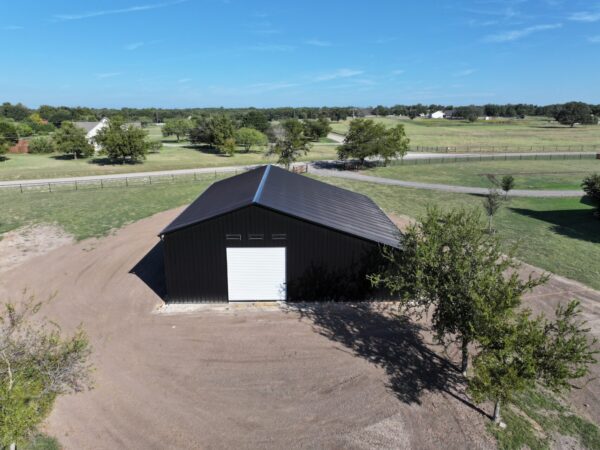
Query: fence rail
x=503, y=148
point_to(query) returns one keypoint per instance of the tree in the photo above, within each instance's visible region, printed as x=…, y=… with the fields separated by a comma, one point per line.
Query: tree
x=213, y=130
x=507, y=184
x=249, y=137
x=122, y=142
x=470, y=113
x=574, y=112
x=291, y=145
x=317, y=129
x=229, y=147
x=491, y=204
x=9, y=132
x=257, y=120
x=37, y=364
x=450, y=265
x=177, y=128
x=42, y=144
x=71, y=140
x=591, y=187
x=16, y=112
x=520, y=353
x=367, y=138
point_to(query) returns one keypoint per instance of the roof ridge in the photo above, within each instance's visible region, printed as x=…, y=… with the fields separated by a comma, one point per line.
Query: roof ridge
x=261, y=185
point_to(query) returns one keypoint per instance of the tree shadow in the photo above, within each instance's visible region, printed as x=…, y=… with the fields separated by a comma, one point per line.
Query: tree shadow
x=63, y=157
x=579, y=224
x=151, y=270
x=392, y=342
x=345, y=165
x=112, y=162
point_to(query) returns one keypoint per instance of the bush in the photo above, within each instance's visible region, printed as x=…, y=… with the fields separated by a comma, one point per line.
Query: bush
x=42, y=144
x=591, y=187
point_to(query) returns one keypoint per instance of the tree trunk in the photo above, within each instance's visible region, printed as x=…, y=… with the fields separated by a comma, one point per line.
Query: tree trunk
x=497, y=417
x=490, y=228
x=12, y=446
x=465, y=357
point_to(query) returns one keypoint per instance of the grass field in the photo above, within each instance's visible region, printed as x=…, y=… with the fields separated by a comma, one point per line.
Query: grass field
x=24, y=166
x=532, y=131
x=559, y=235
x=528, y=174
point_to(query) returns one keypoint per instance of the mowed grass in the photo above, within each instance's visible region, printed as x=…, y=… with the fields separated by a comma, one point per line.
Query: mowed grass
x=560, y=235
x=24, y=166
x=531, y=131
x=528, y=174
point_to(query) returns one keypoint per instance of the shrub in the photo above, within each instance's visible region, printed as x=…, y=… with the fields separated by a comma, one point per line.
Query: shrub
x=591, y=187
x=42, y=144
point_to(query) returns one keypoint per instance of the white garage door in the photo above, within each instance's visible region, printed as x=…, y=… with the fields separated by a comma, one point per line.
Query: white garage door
x=256, y=273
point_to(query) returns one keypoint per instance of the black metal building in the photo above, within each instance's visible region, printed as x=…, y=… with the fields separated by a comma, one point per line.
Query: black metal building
x=269, y=234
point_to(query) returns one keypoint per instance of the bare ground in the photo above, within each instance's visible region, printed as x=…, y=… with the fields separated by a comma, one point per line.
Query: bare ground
x=314, y=376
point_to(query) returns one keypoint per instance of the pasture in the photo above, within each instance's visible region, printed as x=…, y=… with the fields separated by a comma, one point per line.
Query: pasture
x=531, y=131
x=528, y=174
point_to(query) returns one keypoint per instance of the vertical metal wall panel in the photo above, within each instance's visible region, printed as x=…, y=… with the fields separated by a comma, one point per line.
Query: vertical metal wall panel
x=321, y=262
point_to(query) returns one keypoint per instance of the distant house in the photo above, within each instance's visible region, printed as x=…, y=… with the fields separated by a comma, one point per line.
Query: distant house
x=450, y=114
x=437, y=115
x=92, y=128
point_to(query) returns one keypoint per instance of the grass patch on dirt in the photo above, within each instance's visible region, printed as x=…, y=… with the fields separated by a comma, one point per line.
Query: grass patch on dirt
x=529, y=174
x=535, y=420
x=536, y=131
x=42, y=442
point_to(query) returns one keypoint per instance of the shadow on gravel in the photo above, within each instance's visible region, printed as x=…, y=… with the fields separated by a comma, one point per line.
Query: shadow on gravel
x=344, y=165
x=151, y=270
x=579, y=224
x=392, y=342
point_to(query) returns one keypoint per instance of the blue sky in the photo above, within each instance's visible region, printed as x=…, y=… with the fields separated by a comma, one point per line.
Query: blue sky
x=186, y=53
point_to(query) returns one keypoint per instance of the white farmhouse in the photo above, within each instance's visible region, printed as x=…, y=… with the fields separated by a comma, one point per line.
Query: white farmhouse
x=437, y=115
x=91, y=130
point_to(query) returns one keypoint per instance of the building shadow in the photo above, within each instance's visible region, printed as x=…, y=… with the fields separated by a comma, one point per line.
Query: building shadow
x=151, y=270
x=392, y=342
x=579, y=224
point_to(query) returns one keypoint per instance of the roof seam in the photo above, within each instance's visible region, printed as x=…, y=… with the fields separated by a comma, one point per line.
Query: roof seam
x=261, y=185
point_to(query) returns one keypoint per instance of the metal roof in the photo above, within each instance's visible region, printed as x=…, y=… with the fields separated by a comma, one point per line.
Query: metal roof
x=294, y=195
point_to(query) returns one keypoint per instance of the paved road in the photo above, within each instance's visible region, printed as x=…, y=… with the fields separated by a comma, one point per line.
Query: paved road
x=438, y=187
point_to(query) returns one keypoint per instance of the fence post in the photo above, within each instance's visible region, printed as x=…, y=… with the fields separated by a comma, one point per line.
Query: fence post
x=49, y=188
x=21, y=186
x=149, y=179
x=101, y=184
x=75, y=184
x=126, y=182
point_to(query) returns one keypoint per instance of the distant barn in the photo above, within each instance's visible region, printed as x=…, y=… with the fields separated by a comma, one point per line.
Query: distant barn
x=269, y=234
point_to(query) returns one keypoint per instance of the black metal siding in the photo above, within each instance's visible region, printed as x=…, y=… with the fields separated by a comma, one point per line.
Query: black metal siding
x=322, y=264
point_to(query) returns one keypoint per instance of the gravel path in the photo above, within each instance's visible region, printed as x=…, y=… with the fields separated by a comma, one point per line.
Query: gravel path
x=438, y=187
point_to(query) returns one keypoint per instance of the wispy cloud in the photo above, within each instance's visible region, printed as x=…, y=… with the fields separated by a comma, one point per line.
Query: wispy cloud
x=271, y=48
x=134, y=45
x=107, y=12
x=340, y=73
x=594, y=39
x=464, y=73
x=513, y=35
x=318, y=43
x=586, y=16
x=12, y=27
x=104, y=75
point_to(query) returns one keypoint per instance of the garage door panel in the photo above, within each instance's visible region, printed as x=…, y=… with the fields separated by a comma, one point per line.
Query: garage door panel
x=256, y=273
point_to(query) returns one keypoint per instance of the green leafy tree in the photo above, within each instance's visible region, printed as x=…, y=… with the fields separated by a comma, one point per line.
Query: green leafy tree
x=317, y=129
x=122, y=142
x=37, y=364
x=470, y=113
x=367, y=138
x=507, y=184
x=491, y=203
x=9, y=132
x=221, y=130
x=520, y=353
x=42, y=144
x=257, y=120
x=249, y=137
x=177, y=128
x=228, y=147
x=71, y=140
x=574, y=112
x=591, y=187
x=291, y=145
x=450, y=266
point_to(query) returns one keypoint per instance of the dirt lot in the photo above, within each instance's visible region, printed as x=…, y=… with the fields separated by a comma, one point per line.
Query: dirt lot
x=320, y=377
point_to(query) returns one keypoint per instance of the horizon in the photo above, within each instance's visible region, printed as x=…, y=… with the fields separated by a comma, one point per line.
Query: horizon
x=112, y=54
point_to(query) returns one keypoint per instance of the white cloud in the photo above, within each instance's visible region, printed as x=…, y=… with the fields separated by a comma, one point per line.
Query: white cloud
x=107, y=12
x=594, y=39
x=12, y=27
x=318, y=43
x=464, y=73
x=134, y=46
x=107, y=75
x=340, y=73
x=585, y=16
x=513, y=35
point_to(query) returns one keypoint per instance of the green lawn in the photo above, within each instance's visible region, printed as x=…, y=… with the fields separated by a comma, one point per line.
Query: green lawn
x=532, y=131
x=24, y=166
x=528, y=174
x=559, y=235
